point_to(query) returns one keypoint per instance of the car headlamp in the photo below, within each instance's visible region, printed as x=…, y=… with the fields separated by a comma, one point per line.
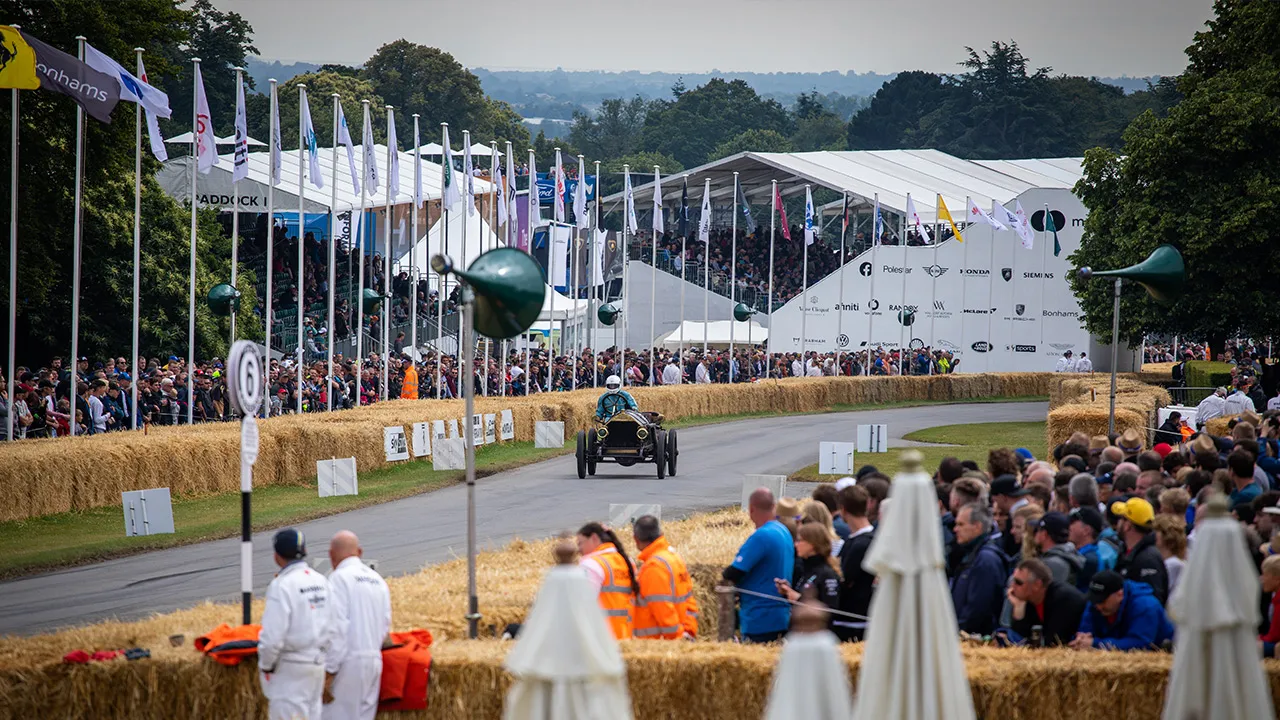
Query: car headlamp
x=642, y=433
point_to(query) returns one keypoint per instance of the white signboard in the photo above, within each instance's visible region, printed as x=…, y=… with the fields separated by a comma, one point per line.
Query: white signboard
x=490, y=429
x=337, y=477
x=776, y=483
x=437, y=429
x=147, y=512
x=622, y=516
x=508, y=431
x=421, y=439
x=395, y=443
x=453, y=428
x=477, y=429
x=873, y=438
x=835, y=458
x=548, y=434
x=449, y=455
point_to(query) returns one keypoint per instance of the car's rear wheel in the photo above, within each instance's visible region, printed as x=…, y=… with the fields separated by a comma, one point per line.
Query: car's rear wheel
x=672, y=452
x=660, y=452
x=581, y=453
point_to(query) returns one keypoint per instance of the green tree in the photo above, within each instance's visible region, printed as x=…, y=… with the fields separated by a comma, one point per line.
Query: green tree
x=222, y=41
x=691, y=126
x=320, y=88
x=896, y=109
x=1201, y=178
x=752, y=141
x=817, y=128
x=613, y=131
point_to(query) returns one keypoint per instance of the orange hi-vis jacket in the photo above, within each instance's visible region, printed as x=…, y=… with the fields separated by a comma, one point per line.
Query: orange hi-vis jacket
x=409, y=388
x=229, y=645
x=616, y=597
x=666, y=608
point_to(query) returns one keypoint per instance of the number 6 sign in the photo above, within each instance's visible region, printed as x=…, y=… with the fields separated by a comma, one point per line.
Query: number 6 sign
x=244, y=377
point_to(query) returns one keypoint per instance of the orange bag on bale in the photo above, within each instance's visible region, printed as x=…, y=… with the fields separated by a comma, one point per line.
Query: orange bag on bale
x=406, y=671
x=229, y=645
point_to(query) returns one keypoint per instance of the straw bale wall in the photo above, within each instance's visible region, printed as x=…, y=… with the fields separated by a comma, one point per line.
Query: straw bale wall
x=50, y=476
x=1082, y=403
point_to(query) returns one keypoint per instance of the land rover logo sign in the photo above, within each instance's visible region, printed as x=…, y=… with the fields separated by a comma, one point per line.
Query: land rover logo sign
x=864, y=269
x=981, y=346
x=842, y=340
x=1006, y=273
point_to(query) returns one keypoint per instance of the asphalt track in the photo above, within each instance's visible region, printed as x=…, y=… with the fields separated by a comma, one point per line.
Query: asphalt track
x=531, y=502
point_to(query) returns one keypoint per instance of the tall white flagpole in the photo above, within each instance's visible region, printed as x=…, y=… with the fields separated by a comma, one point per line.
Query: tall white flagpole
x=134, y=421
x=1044, y=267
x=1013, y=301
x=531, y=208
x=991, y=289
x=933, y=298
x=413, y=245
x=804, y=297
x=626, y=260
x=492, y=243
x=301, y=283
x=733, y=274
x=13, y=270
x=684, y=239
x=773, y=222
x=964, y=288
x=575, y=271
x=844, y=230
x=333, y=257
x=871, y=301
x=595, y=296
x=706, y=278
x=271, y=243
x=388, y=295
x=191, y=285
x=446, y=168
x=235, y=204
x=653, y=296
x=902, y=311
x=361, y=231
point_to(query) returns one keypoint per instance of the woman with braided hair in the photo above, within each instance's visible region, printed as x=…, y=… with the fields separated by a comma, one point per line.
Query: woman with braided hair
x=607, y=565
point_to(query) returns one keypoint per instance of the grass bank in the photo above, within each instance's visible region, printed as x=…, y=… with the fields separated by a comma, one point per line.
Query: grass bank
x=76, y=538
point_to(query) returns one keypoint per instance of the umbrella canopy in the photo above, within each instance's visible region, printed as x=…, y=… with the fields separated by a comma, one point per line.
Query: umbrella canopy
x=566, y=662
x=912, y=666
x=811, y=680
x=716, y=333
x=1217, y=667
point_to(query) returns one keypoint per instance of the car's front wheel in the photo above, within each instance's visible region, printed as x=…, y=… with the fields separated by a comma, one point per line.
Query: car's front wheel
x=660, y=452
x=581, y=453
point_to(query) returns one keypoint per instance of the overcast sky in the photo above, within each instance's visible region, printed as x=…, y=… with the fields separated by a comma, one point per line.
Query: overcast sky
x=1078, y=37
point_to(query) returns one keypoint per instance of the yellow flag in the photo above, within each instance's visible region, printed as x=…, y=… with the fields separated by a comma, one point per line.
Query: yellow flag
x=944, y=213
x=17, y=61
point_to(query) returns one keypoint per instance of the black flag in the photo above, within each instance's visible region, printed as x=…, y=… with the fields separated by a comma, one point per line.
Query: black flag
x=96, y=92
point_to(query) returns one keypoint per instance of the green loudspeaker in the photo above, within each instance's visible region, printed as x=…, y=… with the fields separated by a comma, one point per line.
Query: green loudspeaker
x=907, y=317
x=742, y=313
x=508, y=287
x=1162, y=273
x=608, y=313
x=372, y=301
x=223, y=299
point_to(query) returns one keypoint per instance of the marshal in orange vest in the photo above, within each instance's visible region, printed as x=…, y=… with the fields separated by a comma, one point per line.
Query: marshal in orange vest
x=409, y=389
x=665, y=607
x=616, y=596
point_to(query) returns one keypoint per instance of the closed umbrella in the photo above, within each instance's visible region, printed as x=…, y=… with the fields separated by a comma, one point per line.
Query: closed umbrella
x=811, y=680
x=566, y=663
x=1217, y=667
x=911, y=667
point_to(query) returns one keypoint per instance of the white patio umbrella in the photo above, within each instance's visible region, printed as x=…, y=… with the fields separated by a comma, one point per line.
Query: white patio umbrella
x=1217, y=668
x=566, y=662
x=911, y=667
x=811, y=679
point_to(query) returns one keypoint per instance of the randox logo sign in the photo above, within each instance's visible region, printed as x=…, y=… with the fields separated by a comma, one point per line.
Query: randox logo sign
x=864, y=269
x=981, y=346
x=1006, y=273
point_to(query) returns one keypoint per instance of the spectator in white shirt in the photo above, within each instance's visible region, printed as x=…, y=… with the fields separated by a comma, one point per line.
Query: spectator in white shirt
x=1211, y=407
x=797, y=368
x=1084, y=364
x=671, y=373
x=1274, y=403
x=1065, y=363
x=359, y=620
x=701, y=375
x=1237, y=402
x=97, y=415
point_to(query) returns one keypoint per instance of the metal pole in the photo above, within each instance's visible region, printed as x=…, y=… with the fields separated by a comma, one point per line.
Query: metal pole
x=191, y=285
x=531, y=208
x=333, y=255
x=413, y=246
x=871, y=301
x=137, y=249
x=933, y=293
x=235, y=201
x=773, y=222
x=626, y=260
x=596, y=296
x=706, y=277
x=364, y=193
x=804, y=299
x=13, y=269
x=468, y=393
x=733, y=274
x=388, y=295
x=1115, y=355
x=684, y=239
x=300, y=282
x=844, y=230
x=653, y=299
x=991, y=289
x=75, y=255
x=271, y=243
x=903, y=332
x=445, y=168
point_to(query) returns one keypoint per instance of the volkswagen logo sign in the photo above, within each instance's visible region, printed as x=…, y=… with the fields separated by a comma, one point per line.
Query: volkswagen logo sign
x=842, y=340
x=864, y=269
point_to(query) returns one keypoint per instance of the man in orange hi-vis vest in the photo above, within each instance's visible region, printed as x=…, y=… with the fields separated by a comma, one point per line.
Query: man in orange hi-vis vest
x=607, y=565
x=665, y=606
x=409, y=389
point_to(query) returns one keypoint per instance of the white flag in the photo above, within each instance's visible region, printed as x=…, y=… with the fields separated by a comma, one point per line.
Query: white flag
x=417, y=166
x=808, y=216
x=977, y=214
x=580, y=197
x=206, y=143
x=1008, y=218
x=451, y=195
x=468, y=170
x=704, y=222
x=557, y=203
x=132, y=89
x=153, y=129
x=658, y=227
x=630, y=202
x=499, y=193
x=240, y=168
x=393, y=152
x=370, y=160
x=913, y=217
x=510, y=199
x=308, y=141
x=276, y=160
x=535, y=202
x=344, y=137
x=1023, y=226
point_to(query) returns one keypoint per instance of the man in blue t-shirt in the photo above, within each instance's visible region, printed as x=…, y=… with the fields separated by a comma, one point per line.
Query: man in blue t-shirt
x=768, y=554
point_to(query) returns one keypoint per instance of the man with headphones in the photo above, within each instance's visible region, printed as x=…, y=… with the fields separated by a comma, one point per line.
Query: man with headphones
x=291, y=647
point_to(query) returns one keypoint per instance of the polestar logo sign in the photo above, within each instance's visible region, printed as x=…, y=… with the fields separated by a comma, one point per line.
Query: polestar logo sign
x=864, y=269
x=935, y=271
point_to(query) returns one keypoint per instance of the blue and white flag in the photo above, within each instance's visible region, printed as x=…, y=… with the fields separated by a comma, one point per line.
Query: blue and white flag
x=308, y=140
x=580, y=198
x=557, y=203
x=132, y=89
x=630, y=202
x=809, y=231
x=658, y=225
x=468, y=170
x=153, y=130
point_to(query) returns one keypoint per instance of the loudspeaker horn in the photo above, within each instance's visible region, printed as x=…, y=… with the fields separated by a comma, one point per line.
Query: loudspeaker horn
x=742, y=313
x=509, y=290
x=608, y=313
x=223, y=299
x=1162, y=273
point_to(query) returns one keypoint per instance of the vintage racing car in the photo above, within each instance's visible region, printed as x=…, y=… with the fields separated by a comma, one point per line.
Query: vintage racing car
x=627, y=438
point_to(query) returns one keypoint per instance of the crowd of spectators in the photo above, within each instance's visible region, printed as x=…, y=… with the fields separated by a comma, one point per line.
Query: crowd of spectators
x=1082, y=549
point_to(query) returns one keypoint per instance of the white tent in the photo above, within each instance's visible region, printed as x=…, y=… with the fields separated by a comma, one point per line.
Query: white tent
x=185, y=139
x=435, y=149
x=565, y=309
x=480, y=238
x=717, y=334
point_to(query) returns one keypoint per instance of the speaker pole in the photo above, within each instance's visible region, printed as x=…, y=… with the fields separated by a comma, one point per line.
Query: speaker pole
x=467, y=297
x=1115, y=355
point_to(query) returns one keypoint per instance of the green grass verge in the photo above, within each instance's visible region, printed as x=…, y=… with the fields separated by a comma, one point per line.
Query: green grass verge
x=966, y=442
x=76, y=538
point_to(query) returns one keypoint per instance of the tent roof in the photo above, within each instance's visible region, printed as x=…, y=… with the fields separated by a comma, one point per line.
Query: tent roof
x=717, y=333
x=865, y=174
x=436, y=149
x=185, y=139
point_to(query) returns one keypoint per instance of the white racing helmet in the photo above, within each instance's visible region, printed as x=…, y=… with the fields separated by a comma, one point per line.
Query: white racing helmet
x=613, y=384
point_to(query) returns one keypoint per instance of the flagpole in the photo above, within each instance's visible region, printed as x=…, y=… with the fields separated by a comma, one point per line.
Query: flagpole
x=733, y=275
x=576, y=271
x=844, y=230
x=137, y=250
x=389, y=296
x=653, y=290
x=333, y=255
x=235, y=203
x=706, y=273
x=684, y=242
x=360, y=231
x=595, y=296
x=531, y=206
x=413, y=245
x=1044, y=267
x=271, y=242
x=768, y=341
x=991, y=287
x=300, y=283
x=964, y=288
x=804, y=297
x=508, y=191
x=13, y=271
x=875, y=245
x=191, y=285
x=446, y=167
x=626, y=260
x=1013, y=298
x=902, y=310
x=933, y=292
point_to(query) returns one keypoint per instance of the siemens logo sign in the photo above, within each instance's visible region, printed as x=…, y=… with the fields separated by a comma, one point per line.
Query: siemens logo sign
x=1037, y=276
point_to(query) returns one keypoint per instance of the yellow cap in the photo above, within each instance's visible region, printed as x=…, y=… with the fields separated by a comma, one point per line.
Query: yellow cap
x=1136, y=510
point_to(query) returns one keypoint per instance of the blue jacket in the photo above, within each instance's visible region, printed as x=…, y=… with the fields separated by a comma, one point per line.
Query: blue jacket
x=1141, y=623
x=978, y=586
x=1097, y=557
x=611, y=404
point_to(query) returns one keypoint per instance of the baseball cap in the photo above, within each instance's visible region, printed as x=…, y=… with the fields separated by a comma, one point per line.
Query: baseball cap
x=1056, y=524
x=290, y=544
x=1163, y=448
x=1089, y=516
x=1136, y=510
x=1007, y=485
x=1103, y=585
x=845, y=482
x=1024, y=455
